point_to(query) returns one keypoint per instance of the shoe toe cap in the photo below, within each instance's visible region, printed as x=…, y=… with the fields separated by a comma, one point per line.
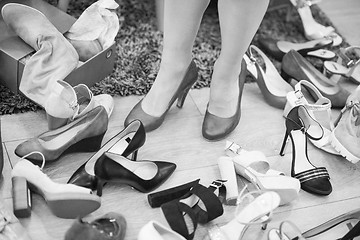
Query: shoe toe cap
x=320, y=186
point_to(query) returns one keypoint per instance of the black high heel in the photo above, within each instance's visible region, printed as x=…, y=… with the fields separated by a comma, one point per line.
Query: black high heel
x=127, y=142
x=300, y=126
x=143, y=175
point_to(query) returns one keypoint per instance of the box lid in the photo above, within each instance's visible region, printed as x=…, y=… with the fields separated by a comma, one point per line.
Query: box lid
x=14, y=46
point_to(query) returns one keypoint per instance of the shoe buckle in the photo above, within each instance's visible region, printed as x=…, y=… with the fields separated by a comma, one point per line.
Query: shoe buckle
x=217, y=183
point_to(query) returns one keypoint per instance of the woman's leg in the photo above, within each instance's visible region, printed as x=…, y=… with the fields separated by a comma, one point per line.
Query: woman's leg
x=239, y=21
x=181, y=23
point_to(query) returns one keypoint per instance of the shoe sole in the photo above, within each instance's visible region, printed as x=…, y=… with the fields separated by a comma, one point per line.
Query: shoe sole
x=342, y=150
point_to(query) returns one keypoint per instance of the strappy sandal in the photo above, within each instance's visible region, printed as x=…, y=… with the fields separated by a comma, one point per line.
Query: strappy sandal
x=175, y=209
x=347, y=65
x=254, y=167
x=313, y=29
x=313, y=48
x=303, y=94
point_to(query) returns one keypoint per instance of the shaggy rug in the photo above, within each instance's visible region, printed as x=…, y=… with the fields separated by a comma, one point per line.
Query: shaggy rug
x=139, y=45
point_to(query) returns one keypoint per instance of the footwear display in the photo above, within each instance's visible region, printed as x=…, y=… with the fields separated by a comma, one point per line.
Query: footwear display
x=153, y=122
x=142, y=175
x=110, y=226
x=84, y=134
x=155, y=230
x=313, y=29
x=66, y=103
x=188, y=204
x=299, y=127
x=256, y=209
x=345, y=137
x=313, y=48
x=254, y=167
x=215, y=128
x=271, y=84
x=321, y=104
x=296, y=66
x=348, y=64
x=127, y=142
x=64, y=200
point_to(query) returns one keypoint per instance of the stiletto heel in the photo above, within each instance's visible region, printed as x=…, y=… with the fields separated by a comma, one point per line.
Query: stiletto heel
x=284, y=144
x=300, y=126
x=153, y=122
x=125, y=143
x=143, y=175
x=99, y=187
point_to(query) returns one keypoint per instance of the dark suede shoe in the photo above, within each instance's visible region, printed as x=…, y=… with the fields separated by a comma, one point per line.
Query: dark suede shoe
x=111, y=226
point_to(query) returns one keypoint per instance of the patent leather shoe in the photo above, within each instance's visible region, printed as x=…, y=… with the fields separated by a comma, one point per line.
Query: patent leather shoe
x=142, y=175
x=125, y=143
x=214, y=127
x=82, y=135
x=153, y=122
x=111, y=226
x=297, y=67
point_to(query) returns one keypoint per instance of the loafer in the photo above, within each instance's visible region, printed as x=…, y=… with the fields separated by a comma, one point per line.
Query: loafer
x=111, y=226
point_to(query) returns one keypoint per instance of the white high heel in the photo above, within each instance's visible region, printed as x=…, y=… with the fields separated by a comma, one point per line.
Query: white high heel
x=254, y=167
x=154, y=230
x=321, y=104
x=312, y=29
x=66, y=103
x=64, y=200
x=258, y=211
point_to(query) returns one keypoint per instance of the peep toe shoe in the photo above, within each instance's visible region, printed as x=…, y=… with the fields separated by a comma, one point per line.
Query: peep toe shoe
x=215, y=128
x=125, y=143
x=153, y=122
x=143, y=175
x=82, y=135
x=297, y=67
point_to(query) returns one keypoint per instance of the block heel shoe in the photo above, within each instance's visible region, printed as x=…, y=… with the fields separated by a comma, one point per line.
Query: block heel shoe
x=64, y=200
x=153, y=122
x=84, y=134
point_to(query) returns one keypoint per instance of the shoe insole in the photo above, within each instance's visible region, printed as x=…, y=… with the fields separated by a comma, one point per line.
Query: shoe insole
x=116, y=145
x=286, y=46
x=301, y=162
x=322, y=53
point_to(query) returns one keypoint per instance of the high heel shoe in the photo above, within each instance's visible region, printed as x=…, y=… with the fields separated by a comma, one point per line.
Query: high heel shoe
x=143, y=175
x=256, y=209
x=253, y=166
x=271, y=84
x=313, y=48
x=215, y=128
x=126, y=142
x=153, y=122
x=66, y=103
x=347, y=65
x=300, y=126
x=322, y=104
x=313, y=29
x=84, y=134
x=64, y=200
x=296, y=66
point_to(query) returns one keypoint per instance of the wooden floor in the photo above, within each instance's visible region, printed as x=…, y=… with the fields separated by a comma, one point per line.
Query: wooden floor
x=179, y=140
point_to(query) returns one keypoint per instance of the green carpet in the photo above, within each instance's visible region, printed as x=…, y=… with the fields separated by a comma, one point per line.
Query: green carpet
x=139, y=48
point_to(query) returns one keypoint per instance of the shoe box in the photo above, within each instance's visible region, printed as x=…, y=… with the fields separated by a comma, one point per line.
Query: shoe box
x=14, y=51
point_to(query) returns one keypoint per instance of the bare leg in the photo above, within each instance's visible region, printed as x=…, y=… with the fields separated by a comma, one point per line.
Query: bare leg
x=239, y=21
x=181, y=23
x=63, y=5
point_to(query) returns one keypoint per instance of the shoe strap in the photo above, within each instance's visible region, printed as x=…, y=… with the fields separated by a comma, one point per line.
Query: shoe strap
x=321, y=104
x=83, y=94
x=311, y=174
